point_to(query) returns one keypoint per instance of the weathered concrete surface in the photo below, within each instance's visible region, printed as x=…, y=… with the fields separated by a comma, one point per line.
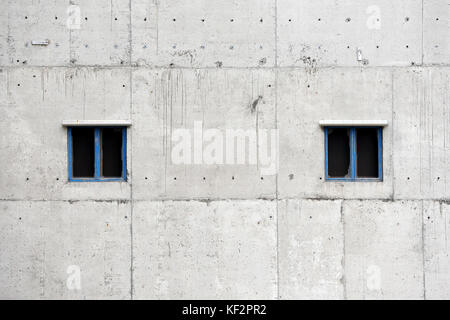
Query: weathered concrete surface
x=204, y=250
x=104, y=37
x=3, y=37
x=311, y=249
x=42, y=239
x=231, y=64
x=436, y=220
x=28, y=21
x=436, y=26
x=167, y=100
x=250, y=33
x=421, y=133
x=330, y=32
x=383, y=250
x=198, y=33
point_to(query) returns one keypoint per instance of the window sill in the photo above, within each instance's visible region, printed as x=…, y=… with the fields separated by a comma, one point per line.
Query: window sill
x=353, y=123
x=96, y=123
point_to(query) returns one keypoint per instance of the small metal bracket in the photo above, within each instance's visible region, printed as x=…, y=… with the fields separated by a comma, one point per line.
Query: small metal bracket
x=40, y=42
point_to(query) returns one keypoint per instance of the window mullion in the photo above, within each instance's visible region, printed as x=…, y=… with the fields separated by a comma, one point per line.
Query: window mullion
x=97, y=153
x=353, y=153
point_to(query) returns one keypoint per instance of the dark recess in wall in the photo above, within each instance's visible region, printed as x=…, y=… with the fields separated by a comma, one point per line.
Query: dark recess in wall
x=112, y=152
x=83, y=152
x=367, y=152
x=338, y=152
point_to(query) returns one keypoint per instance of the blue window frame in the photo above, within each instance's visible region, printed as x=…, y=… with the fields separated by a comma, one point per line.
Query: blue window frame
x=97, y=159
x=343, y=160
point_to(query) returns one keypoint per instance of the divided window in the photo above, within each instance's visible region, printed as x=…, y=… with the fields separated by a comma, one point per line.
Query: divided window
x=97, y=153
x=353, y=153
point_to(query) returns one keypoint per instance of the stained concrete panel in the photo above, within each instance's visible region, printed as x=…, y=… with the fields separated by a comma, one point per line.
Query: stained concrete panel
x=421, y=133
x=100, y=94
x=204, y=250
x=34, y=143
x=4, y=58
x=436, y=220
x=307, y=96
x=383, y=249
x=37, y=21
x=3, y=86
x=436, y=31
x=36, y=262
x=198, y=33
x=328, y=32
x=311, y=249
x=104, y=35
x=165, y=101
x=144, y=32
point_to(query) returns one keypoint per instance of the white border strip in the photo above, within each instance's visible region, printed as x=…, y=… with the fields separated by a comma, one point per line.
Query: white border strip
x=366, y=123
x=85, y=123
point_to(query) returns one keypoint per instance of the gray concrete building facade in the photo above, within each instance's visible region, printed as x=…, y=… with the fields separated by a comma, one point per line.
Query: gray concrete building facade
x=192, y=215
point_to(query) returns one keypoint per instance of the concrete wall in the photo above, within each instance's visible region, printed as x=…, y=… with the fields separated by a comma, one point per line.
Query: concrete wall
x=225, y=231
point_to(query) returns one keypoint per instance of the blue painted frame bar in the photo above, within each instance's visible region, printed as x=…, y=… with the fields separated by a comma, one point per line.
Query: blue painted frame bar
x=97, y=175
x=97, y=153
x=353, y=164
x=380, y=154
x=352, y=153
x=124, y=154
x=69, y=151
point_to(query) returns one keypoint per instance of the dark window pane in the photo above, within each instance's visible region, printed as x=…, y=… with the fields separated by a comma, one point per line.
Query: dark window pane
x=367, y=152
x=83, y=152
x=112, y=152
x=338, y=153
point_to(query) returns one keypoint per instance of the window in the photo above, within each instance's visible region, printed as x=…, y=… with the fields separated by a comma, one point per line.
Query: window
x=97, y=153
x=353, y=153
